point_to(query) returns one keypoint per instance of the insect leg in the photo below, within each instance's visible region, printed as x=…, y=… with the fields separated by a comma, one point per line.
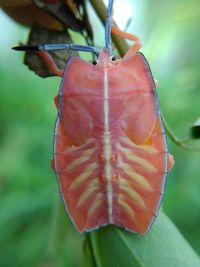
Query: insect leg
x=170, y=162
x=108, y=27
x=50, y=63
x=134, y=48
x=156, y=82
x=56, y=101
x=52, y=165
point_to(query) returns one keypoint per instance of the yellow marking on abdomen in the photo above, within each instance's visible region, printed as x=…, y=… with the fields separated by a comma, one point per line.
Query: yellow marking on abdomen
x=74, y=148
x=95, y=205
x=126, y=207
x=146, y=148
x=140, y=161
x=84, y=175
x=108, y=174
x=82, y=159
x=123, y=184
x=91, y=188
x=137, y=177
x=107, y=147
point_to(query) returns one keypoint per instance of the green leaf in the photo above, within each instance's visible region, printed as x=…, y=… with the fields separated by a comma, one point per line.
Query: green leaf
x=163, y=246
x=88, y=257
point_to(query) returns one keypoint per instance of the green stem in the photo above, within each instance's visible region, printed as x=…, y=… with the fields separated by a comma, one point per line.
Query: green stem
x=181, y=143
x=101, y=11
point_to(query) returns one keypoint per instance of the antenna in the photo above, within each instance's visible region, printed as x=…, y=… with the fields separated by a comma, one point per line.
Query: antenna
x=108, y=27
x=84, y=48
x=53, y=47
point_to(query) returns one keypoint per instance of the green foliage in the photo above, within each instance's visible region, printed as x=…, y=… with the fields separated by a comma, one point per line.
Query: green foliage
x=162, y=246
x=33, y=230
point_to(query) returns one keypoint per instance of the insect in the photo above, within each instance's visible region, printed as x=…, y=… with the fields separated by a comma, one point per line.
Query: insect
x=110, y=150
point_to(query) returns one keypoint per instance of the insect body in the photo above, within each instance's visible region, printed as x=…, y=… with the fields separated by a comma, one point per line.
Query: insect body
x=110, y=151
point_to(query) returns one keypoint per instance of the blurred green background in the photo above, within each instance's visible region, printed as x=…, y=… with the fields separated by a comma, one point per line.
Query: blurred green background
x=34, y=230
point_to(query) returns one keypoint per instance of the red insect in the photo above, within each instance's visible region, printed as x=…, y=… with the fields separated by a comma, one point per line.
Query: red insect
x=110, y=151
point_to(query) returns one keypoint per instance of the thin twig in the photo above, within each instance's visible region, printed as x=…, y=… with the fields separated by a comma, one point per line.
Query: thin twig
x=181, y=143
x=101, y=11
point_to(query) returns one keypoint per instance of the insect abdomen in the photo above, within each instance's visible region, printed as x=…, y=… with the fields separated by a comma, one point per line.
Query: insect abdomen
x=110, y=150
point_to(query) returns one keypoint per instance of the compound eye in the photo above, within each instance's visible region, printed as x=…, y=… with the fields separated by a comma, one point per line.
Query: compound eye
x=94, y=62
x=113, y=58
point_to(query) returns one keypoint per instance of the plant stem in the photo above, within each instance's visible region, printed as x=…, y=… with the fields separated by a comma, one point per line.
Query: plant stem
x=101, y=11
x=181, y=143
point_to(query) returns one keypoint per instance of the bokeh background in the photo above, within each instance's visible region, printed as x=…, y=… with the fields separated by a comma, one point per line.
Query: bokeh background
x=34, y=230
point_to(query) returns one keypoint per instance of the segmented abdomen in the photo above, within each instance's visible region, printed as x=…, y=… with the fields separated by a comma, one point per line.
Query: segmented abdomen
x=136, y=181
x=110, y=151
